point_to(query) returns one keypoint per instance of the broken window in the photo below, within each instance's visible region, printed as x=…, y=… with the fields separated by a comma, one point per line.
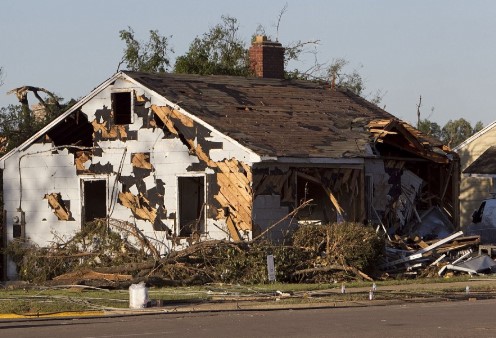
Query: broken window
x=94, y=199
x=121, y=107
x=191, y=203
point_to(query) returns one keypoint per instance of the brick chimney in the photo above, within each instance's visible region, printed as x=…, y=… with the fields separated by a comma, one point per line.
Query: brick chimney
x=267, y=58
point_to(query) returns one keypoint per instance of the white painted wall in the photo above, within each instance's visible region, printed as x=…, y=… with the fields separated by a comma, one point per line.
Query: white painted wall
x=44, y=169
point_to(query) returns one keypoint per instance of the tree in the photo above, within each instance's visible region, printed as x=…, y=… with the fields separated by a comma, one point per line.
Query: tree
x=455, y=132
x=19, y=122
x=351, y=80
x=430, y=128
x=151, y=56
x=219, y=51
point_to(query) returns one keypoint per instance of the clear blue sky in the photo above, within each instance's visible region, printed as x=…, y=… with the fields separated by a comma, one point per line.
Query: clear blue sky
x=443, y=50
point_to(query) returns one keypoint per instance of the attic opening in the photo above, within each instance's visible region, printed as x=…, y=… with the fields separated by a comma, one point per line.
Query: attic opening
x=191, y=204
x=94, y=199
x=74, y=130
x=122, y=107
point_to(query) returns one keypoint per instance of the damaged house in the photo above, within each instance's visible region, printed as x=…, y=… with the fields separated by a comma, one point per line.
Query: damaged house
x=188, y=158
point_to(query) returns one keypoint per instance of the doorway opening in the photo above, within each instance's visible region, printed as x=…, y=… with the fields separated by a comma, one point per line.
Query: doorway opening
x=94, y=199
x=191, y=204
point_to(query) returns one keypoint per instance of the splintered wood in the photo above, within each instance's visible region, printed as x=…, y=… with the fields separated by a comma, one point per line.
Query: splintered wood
x=57, y=204
x=417, y=257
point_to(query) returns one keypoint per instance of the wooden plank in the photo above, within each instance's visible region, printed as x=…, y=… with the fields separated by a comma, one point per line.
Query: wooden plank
x=164, y=115
x=237, y=191
x=232, y=230
x=237, y=210
x=241, y=209
x=248, y=171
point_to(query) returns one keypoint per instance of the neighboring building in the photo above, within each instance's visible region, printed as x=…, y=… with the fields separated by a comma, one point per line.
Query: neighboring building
x=189, y=158
x=478, y=172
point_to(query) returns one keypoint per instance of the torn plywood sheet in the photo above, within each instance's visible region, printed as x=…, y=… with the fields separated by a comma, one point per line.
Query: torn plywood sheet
x=82, y=160
x=112, y=133
x=235, y=195
x=141, y=160
x=139, y=205
x=58, y=206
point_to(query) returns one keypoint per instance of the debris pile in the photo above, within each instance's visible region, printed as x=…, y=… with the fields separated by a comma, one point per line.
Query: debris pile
x=414, y=257
x=102, y=255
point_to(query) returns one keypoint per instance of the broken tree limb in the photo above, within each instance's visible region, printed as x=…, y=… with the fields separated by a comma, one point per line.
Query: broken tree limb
x=133, y=230
x=292, y=213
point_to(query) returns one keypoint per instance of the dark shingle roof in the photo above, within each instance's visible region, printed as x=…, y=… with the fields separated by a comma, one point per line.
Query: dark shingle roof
x=273, y=117
x=485, y=164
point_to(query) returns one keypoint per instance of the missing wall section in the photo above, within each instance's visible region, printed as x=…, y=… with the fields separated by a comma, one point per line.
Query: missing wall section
x=191, y=205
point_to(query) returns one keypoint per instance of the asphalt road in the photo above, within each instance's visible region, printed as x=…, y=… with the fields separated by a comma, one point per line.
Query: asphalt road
x=445, y=319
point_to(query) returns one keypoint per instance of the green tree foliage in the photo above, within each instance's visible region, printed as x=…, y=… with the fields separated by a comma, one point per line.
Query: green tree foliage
x=350, y=80
x=151, y=56
x=430, y=128
x=455, y=132
x=219, y=51
x=452, y=133
x=20, y=122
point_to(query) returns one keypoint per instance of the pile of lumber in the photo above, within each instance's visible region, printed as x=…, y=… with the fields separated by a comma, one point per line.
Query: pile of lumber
x=415, y=257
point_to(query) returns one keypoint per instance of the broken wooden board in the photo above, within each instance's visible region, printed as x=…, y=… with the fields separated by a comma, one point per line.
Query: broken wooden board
x=419, y=253
x=57, y=204
x=139, y=206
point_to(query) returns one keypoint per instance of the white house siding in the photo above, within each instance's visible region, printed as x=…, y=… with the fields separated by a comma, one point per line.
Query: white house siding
x=474, y=189
x=46, y=169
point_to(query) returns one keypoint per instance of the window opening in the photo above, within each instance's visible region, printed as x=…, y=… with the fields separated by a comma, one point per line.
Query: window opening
x=121, y=107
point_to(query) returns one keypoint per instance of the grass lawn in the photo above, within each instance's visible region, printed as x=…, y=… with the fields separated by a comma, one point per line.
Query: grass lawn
x=34, y=300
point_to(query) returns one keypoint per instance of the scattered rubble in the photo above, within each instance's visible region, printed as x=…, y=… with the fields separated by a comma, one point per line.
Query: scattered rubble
x=412, y=257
